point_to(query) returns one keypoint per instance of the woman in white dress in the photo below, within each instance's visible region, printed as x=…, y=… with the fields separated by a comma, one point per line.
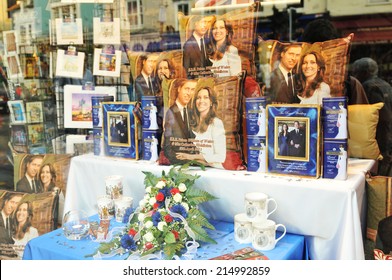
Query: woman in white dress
x=341, y=165
x=210, y=136
x=223, y=55
x=23, y=230
x=154, y=149
x=342, y=122
x=261, y=121
x=311, y=87
x=153, y=116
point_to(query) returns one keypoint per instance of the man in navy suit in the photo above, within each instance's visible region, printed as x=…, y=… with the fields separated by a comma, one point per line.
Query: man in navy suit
x=296, y=141
x=195, y=59
x=177, y=121
x=145, y=82
x=282, y=84
x=7, y=207
x=29, y=183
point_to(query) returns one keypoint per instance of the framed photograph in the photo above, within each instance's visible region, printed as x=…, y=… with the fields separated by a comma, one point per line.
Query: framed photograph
x=78, y=106
x=36, y=135
x=69, y=32
x=70, y=64
x=34, y=112
x=106, y=32
x=10, y=42
x=293, y=140
x=18, y=135
x=17, y=111
x=107, y=62
x=120, y=128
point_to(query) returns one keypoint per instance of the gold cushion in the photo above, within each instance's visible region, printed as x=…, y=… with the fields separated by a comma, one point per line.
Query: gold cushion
x=362, y=126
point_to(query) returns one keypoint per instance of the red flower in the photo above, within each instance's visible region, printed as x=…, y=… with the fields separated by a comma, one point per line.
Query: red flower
x=132, y=232
x=148, y=245
x=174, y=191
x=155, y=206
x=160, y=197
x=168, y=218
x=176, y=234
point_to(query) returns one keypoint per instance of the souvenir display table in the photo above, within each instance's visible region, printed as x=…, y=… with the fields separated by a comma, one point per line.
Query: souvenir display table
x=55, y=246
x=329, y=213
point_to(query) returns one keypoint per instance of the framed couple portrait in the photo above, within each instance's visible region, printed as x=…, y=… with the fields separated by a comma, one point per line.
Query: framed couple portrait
x=293, y=140
x=120, y=130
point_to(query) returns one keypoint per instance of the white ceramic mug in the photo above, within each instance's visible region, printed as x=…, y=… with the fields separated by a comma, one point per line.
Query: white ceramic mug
x=264, y=235
x=256, y=206
x=105, y=207
x=121, y=205
x=114, y=186
x=242, y=229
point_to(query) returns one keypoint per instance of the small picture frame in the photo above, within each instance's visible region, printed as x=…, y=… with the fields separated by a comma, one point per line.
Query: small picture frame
x=106, y=31
x=10, y=42
x=107, y=62
x=70, y=64
x=69, y=31
x=120, y=128
x=293, y=140
x=17, y=111
x=18, y=135
x=78, y=105
x=13, y=66
x=36, y=135
x=34, y=112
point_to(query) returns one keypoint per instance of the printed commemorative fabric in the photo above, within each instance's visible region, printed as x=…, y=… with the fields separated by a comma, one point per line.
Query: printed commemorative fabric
x=202, y=123
x=26, y=216
x=285, y=69
x=218, y=45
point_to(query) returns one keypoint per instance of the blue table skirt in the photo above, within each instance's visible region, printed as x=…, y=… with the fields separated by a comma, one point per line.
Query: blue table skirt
x=55, y=246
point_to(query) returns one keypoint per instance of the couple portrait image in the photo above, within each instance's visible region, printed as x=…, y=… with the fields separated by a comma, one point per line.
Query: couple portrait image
x=298, y=76
x=118, y=132
x=209, y=50
x=192, y=129
x=291, y=139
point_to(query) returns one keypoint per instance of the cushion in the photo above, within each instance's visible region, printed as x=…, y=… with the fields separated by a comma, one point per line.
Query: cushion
x=244, y=27
x=379, y=196
x=335, y=53
x=44, y=207
x=362, y=126
x=219, y=146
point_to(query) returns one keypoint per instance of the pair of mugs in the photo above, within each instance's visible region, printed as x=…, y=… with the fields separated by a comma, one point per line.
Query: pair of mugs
x=253, y=226
x=109, y=208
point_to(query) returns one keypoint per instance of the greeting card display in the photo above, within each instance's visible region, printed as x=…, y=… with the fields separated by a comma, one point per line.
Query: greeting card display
x=17, y=111
x=293, y=140
x=70, y=64
x=107, y=62
x=106, y=31
x=78, y=106
x=34, y=112
x=120, y=128
x=69, y=31
x=10, y=41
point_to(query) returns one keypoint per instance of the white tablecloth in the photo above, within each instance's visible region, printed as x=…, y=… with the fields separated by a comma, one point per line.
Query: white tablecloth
x=328, y=212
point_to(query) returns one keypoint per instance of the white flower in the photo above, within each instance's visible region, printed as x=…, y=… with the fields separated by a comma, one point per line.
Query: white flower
x=142, y=203
x=177, y=197
x=141, y=217
x=148, y=237
x=152, y=201
x=149, y=224
x=186, y=206
x=148, y=189
x=161, y=225
x=160, y=184
x=182, y=187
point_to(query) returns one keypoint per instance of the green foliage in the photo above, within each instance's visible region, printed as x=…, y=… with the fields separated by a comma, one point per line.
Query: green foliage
x=197, y=196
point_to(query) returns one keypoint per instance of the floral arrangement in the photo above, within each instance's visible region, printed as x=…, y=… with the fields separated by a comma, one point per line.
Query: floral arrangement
x=167, y=218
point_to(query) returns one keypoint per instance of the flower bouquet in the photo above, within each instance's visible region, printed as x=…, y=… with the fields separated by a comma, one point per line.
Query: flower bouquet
x=167, y=219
